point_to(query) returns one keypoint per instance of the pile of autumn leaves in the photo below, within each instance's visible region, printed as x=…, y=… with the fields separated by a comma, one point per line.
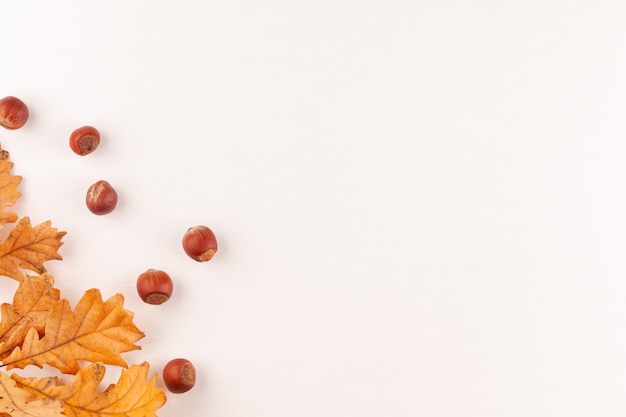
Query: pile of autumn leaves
x=40, y=328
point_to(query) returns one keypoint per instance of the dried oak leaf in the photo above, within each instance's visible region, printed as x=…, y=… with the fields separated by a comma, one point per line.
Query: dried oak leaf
x=132, y=396
x=29, y=247
x=8, y=189
x=31, y=306
x=95, y=331
x=17, y=402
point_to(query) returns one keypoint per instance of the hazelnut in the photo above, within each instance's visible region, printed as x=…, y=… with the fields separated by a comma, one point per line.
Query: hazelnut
x=179, y=375
x=101, y=198
x=199, y=243
x=154, y=286
x=13, y=113
x=84, y=140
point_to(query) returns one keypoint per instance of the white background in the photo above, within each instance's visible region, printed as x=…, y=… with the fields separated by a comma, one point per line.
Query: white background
x=420, y=205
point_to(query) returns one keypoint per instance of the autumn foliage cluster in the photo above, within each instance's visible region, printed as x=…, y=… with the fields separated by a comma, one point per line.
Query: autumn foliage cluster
x=40, y=328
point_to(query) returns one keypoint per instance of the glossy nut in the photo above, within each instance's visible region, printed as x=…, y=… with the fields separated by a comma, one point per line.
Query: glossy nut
x=179, y=375
x=84, y=140
x=199, y=243
x=154, y=286
x=13, y=113
x=101, y=198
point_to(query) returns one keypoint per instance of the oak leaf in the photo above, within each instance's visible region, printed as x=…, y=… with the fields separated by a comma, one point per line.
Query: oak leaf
x=8, y=189
x=95, y=331
x=31, y=306
x=17, y=402
x=132, y=396
x=29, y=247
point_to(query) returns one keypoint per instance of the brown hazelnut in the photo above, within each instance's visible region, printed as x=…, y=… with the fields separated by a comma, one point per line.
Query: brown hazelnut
x=84, y=140
x=154, y=286
x=13, y=113
x=179, y=375
x=101, y=198
x=199, y=243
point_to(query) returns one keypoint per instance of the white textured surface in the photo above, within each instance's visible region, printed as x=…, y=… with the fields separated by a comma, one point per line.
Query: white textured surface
x=420, y=205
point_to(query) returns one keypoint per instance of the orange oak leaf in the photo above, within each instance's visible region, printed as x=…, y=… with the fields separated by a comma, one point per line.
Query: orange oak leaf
x=95, y=331
x=17, y=402
x=132, y=396
x=29, y=247
x=8, y=189
x=31, y=306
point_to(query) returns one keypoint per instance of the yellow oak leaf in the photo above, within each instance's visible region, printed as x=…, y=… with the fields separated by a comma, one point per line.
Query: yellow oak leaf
x=17, y=402
x=8, y=189
x=132, y=396
x=31, y=306
x=95, y=331
x=29, y=247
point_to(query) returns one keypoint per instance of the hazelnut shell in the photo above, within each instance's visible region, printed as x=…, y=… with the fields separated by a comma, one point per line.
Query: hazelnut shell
x=13, y=113
x=101, y=198
x=199, y=243
x=154, y=286
x=179, y=375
